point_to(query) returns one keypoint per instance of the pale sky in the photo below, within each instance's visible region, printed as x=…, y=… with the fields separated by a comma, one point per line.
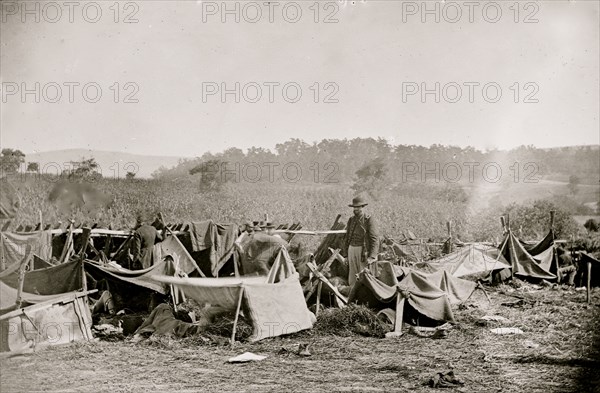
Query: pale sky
x=373, y=51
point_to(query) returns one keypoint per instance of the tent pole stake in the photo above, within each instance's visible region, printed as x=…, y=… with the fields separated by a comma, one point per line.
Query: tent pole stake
x=399, y=313
x=589, y=281
x=237, y=314
x=318, y=305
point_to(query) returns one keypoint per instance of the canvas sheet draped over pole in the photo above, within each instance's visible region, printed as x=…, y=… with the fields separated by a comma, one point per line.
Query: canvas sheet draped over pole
x=62, y=319
x=473, y=260
x=273, y=308
x=56, y=310
x=13, y=245
x=172, y=246
x=218, y=239
x=430, y=294
x=52, y=280
x=539, y=266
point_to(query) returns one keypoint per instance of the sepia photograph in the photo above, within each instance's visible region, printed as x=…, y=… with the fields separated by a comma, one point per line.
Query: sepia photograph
x=300, y=196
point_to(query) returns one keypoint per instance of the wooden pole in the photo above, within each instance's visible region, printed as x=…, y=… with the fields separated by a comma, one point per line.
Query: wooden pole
x=318, y=305
x=235, y=255
x=326, y=282
x=552, y=219
x=514, y=257
x=65, y=252
x=114, y=255
x=323, y=267
x=237, y=314
x=507, y=221
x=500, y=254
x=26, y=260
x=6, y=225
x=399, y=313
x=484, y=292
x=589, y=281
x=503, y=223
x=450, y=242
x=173, y=296
x=2, y=261
x=32, y=262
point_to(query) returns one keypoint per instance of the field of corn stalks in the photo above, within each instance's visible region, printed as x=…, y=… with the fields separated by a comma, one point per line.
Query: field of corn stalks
x=315, y=206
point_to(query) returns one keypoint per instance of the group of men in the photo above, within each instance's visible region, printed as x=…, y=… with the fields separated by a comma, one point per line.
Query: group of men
x=361, y=241
x=261, y=226
x=360, y=244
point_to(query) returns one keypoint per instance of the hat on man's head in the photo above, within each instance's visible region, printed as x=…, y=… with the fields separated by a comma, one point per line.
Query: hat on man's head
x=269, y=225
x=143, y=217
x=261, y=224
x=358, y=202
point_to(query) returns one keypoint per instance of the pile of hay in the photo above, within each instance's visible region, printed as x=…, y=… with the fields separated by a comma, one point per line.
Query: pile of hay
x=222, y=325
x=354, y=319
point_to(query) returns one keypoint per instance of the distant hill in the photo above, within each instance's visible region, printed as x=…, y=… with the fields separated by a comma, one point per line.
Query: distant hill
x=112, y=164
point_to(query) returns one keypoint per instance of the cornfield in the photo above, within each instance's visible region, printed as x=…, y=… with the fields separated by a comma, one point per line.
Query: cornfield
x=314, y=206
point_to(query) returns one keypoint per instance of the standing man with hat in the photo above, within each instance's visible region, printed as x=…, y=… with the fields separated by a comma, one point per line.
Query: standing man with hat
x=361, y=240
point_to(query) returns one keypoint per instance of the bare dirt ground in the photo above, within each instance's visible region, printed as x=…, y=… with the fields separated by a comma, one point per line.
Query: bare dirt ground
x=558, y=352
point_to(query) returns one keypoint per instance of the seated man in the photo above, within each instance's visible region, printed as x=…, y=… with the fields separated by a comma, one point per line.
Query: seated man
x=566, y=267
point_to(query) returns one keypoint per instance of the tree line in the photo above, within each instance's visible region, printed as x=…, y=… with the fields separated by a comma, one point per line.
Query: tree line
x=347, y=156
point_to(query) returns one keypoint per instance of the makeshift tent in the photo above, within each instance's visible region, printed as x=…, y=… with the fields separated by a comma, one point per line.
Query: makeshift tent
x=429, y=294
x=58, y=319
x=171, y=246
x=211, y=244
x=134, y=289
x=473, y=261
x=13, y=246
x=535, y=248
x=541, y=265
x=55, y=312
x=273, y=304
x=52, y=280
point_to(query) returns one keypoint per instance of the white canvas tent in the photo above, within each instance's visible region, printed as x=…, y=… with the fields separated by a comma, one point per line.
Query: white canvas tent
x=273, y=304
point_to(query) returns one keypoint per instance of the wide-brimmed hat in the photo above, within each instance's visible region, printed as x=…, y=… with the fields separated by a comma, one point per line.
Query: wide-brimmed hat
x=358, y=202
x=269, y=225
